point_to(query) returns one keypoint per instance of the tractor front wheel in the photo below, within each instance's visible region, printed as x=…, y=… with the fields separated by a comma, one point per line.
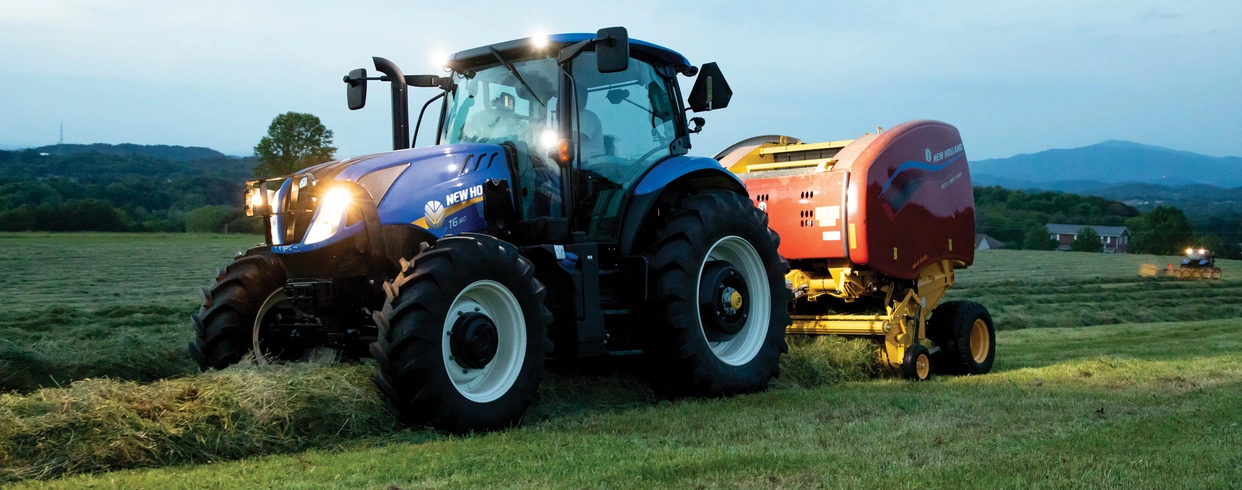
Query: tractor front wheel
x=225, y=325
x=716, y=314
x=463, y=336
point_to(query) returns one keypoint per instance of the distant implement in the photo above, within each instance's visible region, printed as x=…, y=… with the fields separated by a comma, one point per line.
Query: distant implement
x=1198, y=264
x=873, y=229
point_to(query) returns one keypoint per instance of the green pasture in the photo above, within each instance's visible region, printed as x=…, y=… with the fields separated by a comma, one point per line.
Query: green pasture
x=1103, y=379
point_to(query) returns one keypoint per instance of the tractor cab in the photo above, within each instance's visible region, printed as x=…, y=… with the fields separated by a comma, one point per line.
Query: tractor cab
x=585, y=115
x=583, y=118
x=1198, y=258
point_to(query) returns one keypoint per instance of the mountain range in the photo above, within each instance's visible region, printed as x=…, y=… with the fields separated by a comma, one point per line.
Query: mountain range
x=1090, y=168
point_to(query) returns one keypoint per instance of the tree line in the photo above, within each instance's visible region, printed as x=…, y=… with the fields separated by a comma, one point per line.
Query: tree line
x=149, y=188
x=1018, y=218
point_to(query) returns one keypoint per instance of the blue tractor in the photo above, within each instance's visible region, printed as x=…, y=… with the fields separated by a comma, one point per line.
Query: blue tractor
x=558, y=216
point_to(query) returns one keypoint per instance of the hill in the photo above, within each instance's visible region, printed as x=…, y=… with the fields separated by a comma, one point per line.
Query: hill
x=109, y=192
x=1110, y=162
x=163, y=152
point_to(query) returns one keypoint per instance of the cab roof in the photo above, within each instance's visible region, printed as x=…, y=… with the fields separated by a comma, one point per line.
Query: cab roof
x=523, y=46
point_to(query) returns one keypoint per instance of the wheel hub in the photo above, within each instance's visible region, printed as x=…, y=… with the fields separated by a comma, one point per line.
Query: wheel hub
x=474, y=340
x=723, y=307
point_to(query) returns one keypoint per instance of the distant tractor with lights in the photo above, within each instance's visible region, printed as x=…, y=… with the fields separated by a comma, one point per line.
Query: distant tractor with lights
x=1197, y=264
x=558, y=215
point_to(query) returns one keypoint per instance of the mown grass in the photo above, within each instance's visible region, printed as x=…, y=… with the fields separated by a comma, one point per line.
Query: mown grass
x=1155, y=414
x=1034, y=289
x=114, y=305
x=599, y=425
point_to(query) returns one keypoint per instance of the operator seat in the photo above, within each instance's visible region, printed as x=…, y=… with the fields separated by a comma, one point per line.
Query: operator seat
x=590, y=129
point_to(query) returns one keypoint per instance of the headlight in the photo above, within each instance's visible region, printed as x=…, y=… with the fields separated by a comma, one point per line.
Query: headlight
x=256, y=204
x=329, y=216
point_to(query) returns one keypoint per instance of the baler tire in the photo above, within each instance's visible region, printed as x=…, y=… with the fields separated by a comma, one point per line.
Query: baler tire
x=917, y=365
x=224, y=324
x=1216, y=273
x=682, y=360
x=951, y=327
x=414, y=334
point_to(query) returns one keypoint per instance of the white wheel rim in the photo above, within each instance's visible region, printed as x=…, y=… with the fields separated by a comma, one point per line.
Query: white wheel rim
x=277, y=297
x=493, y=380
x=322, y=355
x=745, y=345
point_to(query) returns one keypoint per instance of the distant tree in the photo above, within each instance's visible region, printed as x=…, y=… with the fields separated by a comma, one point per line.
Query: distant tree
x=21, y=218
x=1163, y=231
x=294, y=141
x=1087, y=240
x=1038, y=238
x=210, y=219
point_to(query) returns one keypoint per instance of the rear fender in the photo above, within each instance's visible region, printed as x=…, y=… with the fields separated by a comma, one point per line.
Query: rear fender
x=666, y=184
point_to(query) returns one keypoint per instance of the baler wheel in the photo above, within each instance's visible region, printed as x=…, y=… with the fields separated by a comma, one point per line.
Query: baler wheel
x=966, y=336
x=224, y=325
x=463, y=336
x=917, y=363
x=1216, y=273
x=716, y=313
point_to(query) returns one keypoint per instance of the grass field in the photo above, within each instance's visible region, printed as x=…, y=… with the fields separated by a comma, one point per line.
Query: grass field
x=1102, y=380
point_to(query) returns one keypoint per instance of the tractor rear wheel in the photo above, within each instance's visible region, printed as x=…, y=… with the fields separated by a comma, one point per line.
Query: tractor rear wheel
x=966, y=336
x=463, y=336
x=716, y=314
x=225, y=324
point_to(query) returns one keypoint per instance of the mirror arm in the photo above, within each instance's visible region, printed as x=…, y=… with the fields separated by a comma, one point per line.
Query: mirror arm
x=572, y=51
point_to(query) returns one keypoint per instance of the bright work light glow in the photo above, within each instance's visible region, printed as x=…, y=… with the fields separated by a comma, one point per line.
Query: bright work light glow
x=539, y=40
x=328, y=219
x=440, y=58
x=256, y=199
x=547, y=139
x=1190, y=251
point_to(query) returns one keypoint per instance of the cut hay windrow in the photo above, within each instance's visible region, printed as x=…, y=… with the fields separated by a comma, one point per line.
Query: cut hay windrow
x=101, y=424
x=98, y=425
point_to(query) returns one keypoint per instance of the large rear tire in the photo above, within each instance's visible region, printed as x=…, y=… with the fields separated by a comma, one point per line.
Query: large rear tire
x=717, y=310
x=966, y=336
x=224, y=325
x=463, y=336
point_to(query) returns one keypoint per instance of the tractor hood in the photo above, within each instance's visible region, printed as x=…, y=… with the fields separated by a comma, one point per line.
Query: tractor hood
x=437, y=188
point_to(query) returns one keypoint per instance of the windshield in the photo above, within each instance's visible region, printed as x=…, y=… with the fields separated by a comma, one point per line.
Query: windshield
x=494, y=107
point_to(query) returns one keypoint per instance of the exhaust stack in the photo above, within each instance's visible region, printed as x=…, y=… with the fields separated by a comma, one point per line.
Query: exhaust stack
x=400, y=103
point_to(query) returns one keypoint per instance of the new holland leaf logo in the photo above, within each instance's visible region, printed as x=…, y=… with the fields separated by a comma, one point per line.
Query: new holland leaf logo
x=434, y=212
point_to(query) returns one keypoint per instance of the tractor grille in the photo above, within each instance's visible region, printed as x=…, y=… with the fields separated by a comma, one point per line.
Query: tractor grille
x=292, y=210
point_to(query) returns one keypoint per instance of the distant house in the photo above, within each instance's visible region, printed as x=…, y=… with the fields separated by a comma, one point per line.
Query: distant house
x=1113, y=239
x=984, y=242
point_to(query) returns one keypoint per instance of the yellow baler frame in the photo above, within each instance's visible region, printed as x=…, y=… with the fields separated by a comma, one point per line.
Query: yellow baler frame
x=904, y=322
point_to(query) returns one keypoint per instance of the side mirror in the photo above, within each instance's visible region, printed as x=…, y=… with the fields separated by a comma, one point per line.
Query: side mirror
x=710, y=91
x=356, y=90
x=612, y=49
